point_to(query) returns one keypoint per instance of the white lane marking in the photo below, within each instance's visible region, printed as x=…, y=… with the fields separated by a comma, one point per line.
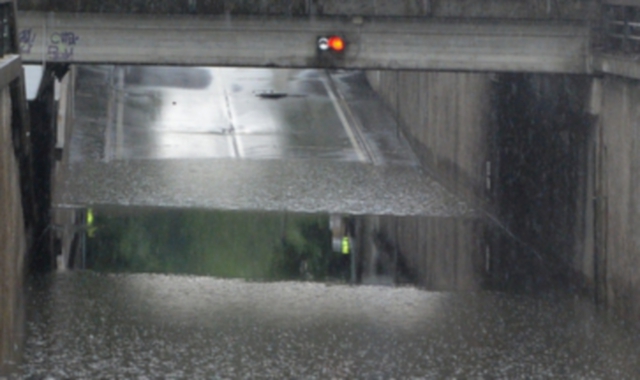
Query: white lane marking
x=343, y=119
x=120, y=113
x=110, y=124
x=235, y=145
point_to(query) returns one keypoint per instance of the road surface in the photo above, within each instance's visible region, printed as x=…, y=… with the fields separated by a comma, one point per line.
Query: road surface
x=241, y=139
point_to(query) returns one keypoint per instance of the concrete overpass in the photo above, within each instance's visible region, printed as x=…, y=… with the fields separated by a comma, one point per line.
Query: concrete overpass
x=278, y=41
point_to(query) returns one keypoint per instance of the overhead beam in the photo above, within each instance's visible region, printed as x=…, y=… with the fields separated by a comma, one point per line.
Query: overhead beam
x=615, y=64
x=522, y=46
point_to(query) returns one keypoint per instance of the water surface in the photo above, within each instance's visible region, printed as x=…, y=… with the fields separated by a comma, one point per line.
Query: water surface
x=90, y=325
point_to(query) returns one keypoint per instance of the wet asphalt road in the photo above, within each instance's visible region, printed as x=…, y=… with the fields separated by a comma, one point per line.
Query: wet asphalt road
x=164, y=113
x=241, y=139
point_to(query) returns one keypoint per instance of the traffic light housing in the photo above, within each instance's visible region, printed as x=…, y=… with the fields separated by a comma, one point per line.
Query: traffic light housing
x=334, y=44
x=330, y=50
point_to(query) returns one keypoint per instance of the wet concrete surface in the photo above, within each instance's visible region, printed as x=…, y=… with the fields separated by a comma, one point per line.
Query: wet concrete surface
x=13, y=243
x=255, y=139
x=88, y=325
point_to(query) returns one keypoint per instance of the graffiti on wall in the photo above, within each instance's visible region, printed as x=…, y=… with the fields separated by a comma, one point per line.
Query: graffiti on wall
x=61, y=45
x=26, y=38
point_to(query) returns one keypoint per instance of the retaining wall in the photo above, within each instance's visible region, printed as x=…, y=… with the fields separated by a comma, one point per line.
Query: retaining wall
x=618, y=195
x=517, y=146
x=12, y=238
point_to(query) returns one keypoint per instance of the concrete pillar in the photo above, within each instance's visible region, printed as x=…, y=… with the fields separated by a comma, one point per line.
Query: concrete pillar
x=619, y=194
x=12, y=238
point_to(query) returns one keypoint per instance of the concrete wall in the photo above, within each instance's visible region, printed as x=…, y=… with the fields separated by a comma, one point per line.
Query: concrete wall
x=446, y=118
x=517, y=145
x=563, y=181
x=541, y=147
x=12, y=237
x=517, y=9
x=618, y=187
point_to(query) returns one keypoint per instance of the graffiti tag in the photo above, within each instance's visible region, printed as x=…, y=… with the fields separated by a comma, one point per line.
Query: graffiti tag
x=61, y=46
x=27, y=38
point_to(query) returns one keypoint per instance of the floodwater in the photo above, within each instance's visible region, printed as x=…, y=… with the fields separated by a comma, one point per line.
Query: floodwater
x=218, y=223
x=92, y=325
x=207, y=301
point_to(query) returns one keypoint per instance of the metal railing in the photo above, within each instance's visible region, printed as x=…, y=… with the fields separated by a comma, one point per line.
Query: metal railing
x=622, y=28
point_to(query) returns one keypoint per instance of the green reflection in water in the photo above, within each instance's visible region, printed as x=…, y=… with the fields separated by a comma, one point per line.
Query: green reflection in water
x=264, y=246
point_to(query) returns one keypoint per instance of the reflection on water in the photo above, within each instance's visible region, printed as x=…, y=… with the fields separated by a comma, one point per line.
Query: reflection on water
x=259, y=246
x=193, y=314
x=436, y=253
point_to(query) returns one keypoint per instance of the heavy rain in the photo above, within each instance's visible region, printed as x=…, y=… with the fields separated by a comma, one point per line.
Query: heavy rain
x=188, y=201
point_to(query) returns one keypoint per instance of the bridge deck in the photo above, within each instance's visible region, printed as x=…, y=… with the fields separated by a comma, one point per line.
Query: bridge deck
x=479, y=45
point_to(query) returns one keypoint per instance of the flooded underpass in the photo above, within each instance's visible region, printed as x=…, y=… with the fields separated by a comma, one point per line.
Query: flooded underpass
x=210, y=294
x=219, y=223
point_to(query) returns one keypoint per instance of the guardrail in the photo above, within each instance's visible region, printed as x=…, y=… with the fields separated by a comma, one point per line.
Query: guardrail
x=622, y=27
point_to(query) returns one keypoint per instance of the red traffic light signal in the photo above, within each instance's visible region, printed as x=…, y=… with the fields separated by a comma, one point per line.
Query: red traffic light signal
x=331, y=43
x=336, y=43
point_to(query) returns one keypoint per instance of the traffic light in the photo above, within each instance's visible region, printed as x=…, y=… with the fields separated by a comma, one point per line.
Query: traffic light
x=331, y=44
x=331, y=51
